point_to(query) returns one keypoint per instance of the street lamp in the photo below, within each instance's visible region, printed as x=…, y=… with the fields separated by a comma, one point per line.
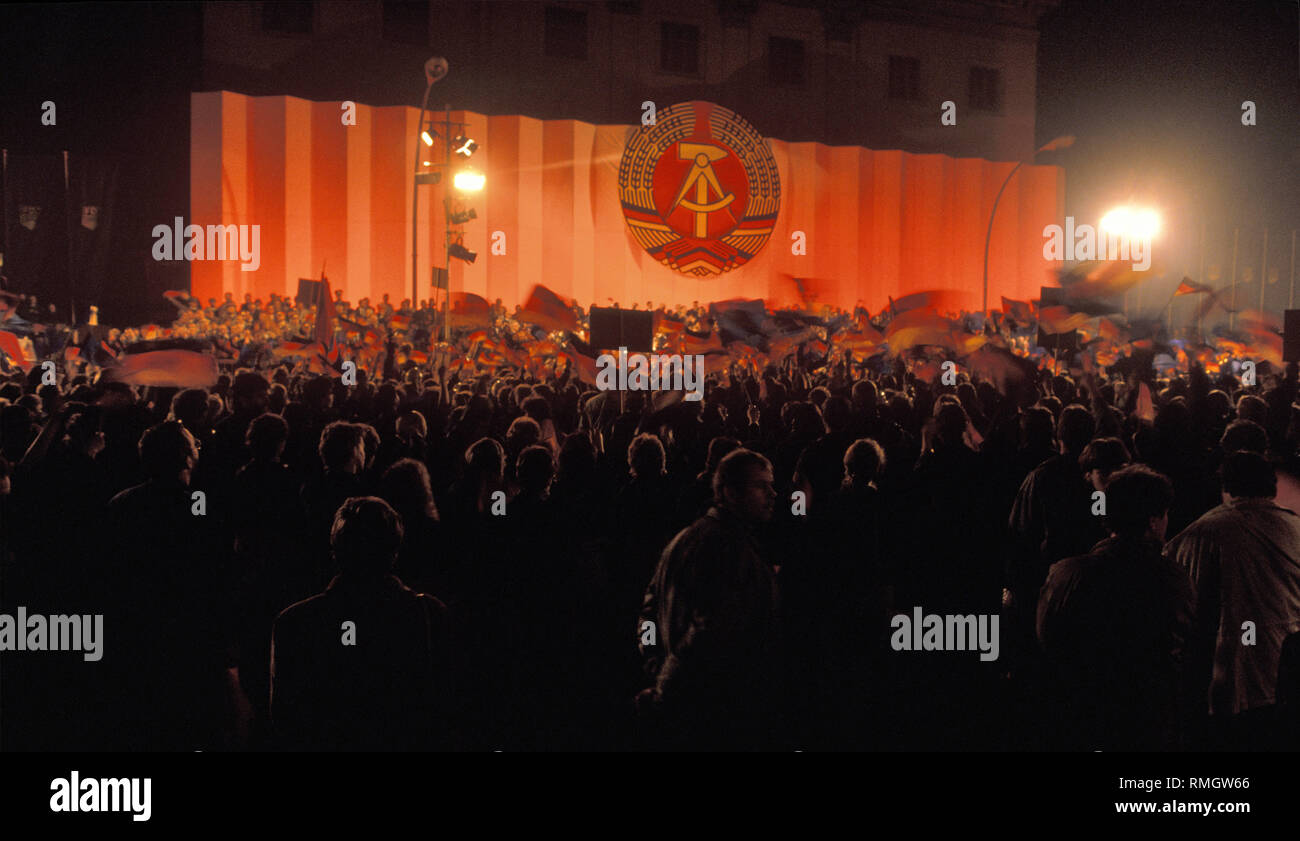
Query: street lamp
x=1062, y=142
x=434, y=70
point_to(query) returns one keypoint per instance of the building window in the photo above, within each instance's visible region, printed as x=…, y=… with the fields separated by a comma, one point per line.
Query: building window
x=904, y=77
x=785, y=61
x=406, y=22
x=679, y=48
x=985, y=89
x=287, y=17
x=566, y=33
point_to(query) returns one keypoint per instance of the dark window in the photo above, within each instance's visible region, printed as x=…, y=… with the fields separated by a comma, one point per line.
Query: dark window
x=985, y=89
x=904, y=77
x=566, y=33
x=785, y=61
x=406, y=22
x=679, y=48
x=292, y=17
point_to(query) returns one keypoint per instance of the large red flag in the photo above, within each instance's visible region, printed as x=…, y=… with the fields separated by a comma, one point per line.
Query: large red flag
x=324, y=332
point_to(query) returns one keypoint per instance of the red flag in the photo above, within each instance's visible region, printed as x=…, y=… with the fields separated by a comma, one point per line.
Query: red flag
x=1059, y=319
x=583, y=366
x=692, y=343
x=1019, y=310
x=918, y=327
x=10, y=344
x=941, y=301
x=469, y=310
x=668, y=325
x=324, y=332
x=1191, y=287
x=548, y=310
x=179, y=368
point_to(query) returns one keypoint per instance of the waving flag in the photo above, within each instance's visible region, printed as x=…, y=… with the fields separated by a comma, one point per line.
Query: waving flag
x=694, y=343
x=1021, y=311
x=177, y=368
x=19, y=350
x=548, y=310
x=469, y=311
x=1060, y=319
x=1191, y=287
x=939, y=301
x=739, y=319
x=581, y=359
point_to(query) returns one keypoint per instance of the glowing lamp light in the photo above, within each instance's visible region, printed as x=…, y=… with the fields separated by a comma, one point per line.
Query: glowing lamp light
x=428, y=140
x=1143, y=223
x=468, y=181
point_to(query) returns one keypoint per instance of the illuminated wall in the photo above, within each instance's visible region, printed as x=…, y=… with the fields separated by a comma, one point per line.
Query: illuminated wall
x=877, y=223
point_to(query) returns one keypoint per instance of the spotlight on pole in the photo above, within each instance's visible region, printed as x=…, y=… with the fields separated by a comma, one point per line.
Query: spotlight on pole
x=463, y=145
x=461, y=217
x=469, y=181
x=460, y=252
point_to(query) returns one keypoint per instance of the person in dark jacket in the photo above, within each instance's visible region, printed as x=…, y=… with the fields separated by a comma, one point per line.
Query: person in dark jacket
x=163, y=587
x=362, y=665
x=1114, y=624
x=710, y=645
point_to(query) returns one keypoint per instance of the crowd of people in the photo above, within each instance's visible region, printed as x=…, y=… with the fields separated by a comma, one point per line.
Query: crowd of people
x=491, y=558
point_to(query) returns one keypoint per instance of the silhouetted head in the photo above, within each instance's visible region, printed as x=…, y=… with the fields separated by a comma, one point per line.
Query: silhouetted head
x=168, y=452
x=342, y=447
x=1137, y=502
x=534, y=470
x=863, y=461
x=743, y=484
x=1248, y=475
x=406, y=487
x=645, y=457
x=1074, y=429
x=1244, y=435
x=365, y=537
x=1101, y=458
x=486, y=457
x=266, y=436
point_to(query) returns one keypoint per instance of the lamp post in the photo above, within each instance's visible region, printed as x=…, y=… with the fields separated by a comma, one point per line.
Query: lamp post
x=434, y=70
x=1062, y=142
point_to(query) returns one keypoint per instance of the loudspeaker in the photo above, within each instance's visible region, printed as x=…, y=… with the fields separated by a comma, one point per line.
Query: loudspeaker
x=1291, y=336
x=309, y=292
x=613, y=328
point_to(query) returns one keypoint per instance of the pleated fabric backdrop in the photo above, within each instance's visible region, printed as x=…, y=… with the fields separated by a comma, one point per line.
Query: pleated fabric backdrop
x=876, y=223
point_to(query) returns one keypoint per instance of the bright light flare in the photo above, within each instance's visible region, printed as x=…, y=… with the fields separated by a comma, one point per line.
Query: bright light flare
x=1134, y=223
x=469, y=181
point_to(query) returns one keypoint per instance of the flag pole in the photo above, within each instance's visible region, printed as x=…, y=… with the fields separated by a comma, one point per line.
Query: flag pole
x=67, y=220
x=1263, y=272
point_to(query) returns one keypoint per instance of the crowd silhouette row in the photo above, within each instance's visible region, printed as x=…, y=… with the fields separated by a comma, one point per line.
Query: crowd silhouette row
x=488, y=561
